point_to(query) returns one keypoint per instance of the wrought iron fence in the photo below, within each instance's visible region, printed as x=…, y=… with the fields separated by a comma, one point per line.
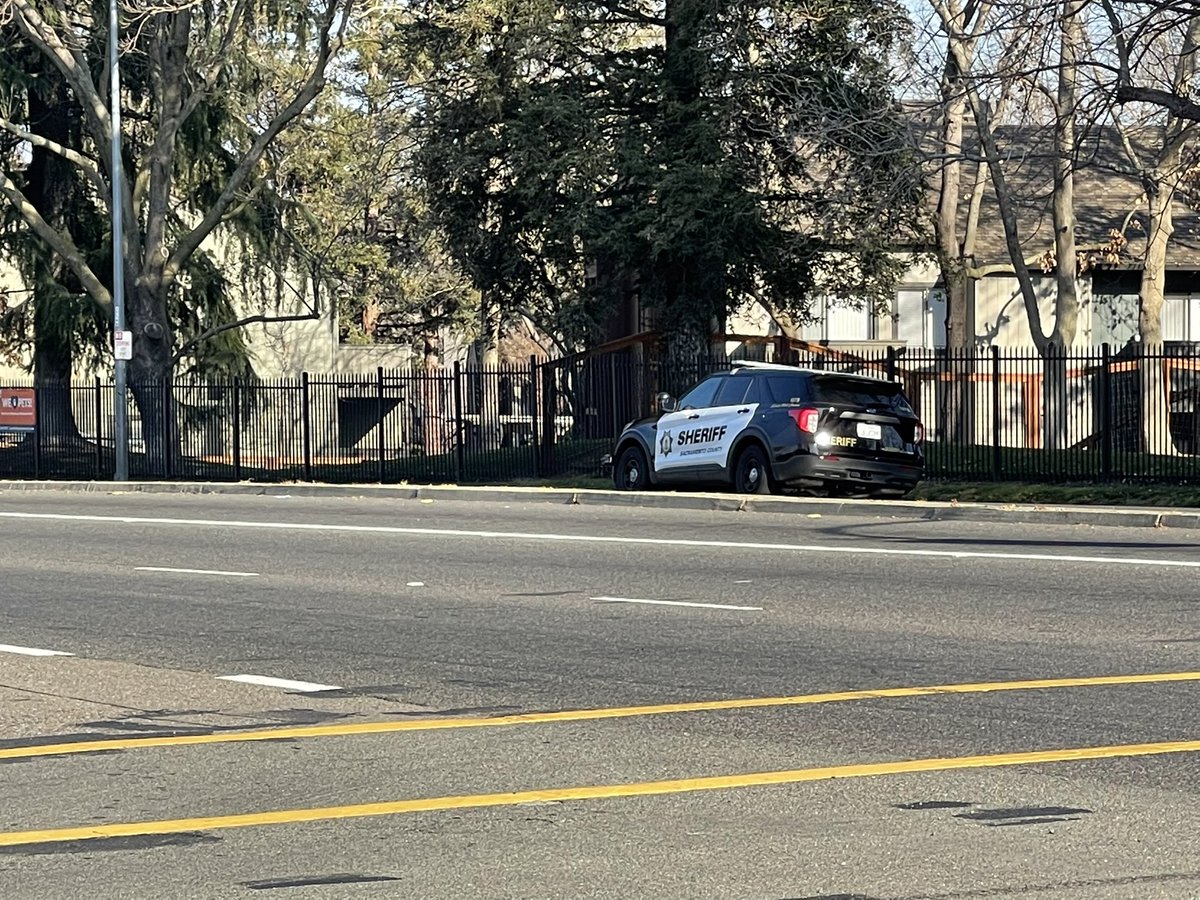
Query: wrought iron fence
x=1090, y=415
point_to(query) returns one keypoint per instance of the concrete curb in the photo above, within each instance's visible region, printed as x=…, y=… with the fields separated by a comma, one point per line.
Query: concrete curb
x=1110, y=516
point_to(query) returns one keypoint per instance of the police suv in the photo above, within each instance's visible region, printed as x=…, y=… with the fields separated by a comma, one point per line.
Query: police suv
x=762, y=426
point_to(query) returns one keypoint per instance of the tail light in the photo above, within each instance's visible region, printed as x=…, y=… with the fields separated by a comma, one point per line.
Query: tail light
x=806, y=419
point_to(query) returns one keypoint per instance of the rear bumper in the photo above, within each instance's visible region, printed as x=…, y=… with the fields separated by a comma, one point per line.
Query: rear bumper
x=811, y=469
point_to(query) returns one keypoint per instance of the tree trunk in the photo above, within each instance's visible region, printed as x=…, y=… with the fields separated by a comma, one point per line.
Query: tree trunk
x=956, y=411
x=1156, y=424
x=1056, y=414
x=151, y=379
x=52, y=363
x=435, y=435
x=1161, y=183
x=51, y=187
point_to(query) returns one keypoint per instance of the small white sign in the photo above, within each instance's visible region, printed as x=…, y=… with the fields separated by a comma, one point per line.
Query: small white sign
x=123, y=344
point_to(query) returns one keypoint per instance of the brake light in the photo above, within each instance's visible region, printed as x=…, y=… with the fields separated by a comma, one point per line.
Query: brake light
x=806, y=419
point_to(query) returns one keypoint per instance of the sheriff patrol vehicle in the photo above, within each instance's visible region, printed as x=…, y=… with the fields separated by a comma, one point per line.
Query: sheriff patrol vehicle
x=762, y=426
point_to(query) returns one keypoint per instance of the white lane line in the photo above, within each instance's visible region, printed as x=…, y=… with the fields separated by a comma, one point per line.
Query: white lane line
x=304, y=687
x=31, y=651
x=675, y=603
x=194, y=571
x=827, y=549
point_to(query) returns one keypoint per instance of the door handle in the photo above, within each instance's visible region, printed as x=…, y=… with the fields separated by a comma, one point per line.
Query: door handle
x=694, y=416
x=746, y=410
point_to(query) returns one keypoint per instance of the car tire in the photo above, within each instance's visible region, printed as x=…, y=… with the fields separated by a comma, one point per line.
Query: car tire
x=632, y=471
x=752, y=475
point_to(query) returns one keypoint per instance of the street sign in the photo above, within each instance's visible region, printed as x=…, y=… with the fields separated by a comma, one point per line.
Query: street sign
x=18, y=410
x=123, y=344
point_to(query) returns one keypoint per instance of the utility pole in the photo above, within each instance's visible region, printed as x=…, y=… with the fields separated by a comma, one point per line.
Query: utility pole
x=122, y=345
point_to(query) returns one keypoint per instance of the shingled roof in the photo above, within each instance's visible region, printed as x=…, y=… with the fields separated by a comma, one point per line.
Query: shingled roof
x=1108, y=195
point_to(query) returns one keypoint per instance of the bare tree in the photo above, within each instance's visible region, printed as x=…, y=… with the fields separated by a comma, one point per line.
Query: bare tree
x=1158, y=125
x=1031, y=49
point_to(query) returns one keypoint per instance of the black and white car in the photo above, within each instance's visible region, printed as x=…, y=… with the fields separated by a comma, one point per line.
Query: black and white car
x=764, y=426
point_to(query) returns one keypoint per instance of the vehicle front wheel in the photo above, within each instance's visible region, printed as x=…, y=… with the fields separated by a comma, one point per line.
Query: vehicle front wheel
x=752, y=475
x=632, y=471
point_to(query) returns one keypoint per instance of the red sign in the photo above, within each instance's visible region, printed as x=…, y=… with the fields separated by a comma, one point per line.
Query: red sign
x=18, y=409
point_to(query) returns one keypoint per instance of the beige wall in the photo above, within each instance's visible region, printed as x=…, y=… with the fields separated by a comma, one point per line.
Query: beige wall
x=1000, y=317
x=277, y=349
x=10, y=281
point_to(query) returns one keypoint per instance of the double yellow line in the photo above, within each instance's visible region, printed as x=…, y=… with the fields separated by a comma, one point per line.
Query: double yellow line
x=644, y=789
x=578, y=715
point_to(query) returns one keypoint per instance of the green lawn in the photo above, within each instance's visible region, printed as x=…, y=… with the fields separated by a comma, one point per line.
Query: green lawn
x=970, y=463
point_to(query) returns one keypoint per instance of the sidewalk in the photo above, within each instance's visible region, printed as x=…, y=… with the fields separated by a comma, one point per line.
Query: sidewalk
x=1119, y=516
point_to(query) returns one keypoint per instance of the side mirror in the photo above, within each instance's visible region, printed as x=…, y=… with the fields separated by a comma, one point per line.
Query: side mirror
x=666, y=403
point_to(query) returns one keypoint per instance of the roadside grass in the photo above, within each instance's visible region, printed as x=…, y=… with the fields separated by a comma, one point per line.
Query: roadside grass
x=1060, y=494
x=972, y=462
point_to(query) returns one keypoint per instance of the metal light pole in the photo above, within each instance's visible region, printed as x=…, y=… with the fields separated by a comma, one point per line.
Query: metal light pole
x=120, y=409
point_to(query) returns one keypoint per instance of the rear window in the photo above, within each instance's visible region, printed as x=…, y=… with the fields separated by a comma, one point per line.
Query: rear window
x=859, y=392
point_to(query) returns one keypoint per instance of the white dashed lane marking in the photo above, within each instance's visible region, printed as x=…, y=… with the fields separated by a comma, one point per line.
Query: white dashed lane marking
x=302, y=687
x=31, y=651
x=677, y=603
x=172, y=571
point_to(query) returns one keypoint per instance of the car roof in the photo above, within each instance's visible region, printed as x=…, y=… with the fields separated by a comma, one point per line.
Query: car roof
x=750, y=365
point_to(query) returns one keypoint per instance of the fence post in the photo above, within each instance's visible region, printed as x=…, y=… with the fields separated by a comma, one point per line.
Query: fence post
x=1106, y=418
x=37, y=431
x=379, y=416
x=99, y=410
x=168, y=417
x=306, y=425
x=891, y=363
x=534, y=421
x=237, y=429
x=995, y=413
x=459, y=450
x=549, y=420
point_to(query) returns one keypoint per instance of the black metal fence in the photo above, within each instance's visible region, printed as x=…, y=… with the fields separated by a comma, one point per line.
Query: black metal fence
x=1092, y=415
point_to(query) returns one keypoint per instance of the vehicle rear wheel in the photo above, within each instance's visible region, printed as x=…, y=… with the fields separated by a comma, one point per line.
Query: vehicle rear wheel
x=751, y=475
x=632, y=471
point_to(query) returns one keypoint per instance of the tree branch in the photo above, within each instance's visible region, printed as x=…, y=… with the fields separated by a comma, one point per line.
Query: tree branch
x=72, y=65
x=1181, y=107
x=61, y=243
x=230, y=326
x=87, y=165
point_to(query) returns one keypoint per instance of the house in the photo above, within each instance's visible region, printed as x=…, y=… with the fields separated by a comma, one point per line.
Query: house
x=1109, y=201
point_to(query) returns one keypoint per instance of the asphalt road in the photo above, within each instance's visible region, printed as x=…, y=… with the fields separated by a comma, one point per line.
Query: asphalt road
x=507, y=700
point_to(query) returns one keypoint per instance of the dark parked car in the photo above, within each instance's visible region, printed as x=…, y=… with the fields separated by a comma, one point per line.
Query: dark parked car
x=762, y=426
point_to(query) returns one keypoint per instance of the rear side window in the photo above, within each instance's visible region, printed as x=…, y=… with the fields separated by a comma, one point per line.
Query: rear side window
x=791, y=389
x=860, y=392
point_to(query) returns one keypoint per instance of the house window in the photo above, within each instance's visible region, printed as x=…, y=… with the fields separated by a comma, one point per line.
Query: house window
x=919, y=317
x=840, y=321
x=1181, y=318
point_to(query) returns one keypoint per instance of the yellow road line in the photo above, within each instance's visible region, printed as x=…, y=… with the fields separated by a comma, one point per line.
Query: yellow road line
x=578, y=715
x=600, y=792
